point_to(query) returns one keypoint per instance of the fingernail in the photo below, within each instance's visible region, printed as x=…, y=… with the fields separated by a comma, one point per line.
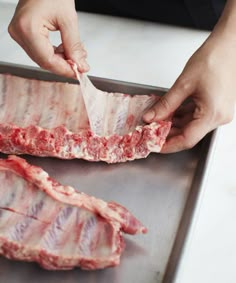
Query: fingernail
x=83, y=66
x=149, y=116
x=79, y=67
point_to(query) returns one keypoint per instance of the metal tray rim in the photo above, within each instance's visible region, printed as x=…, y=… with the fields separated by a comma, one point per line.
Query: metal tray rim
x=189, y=219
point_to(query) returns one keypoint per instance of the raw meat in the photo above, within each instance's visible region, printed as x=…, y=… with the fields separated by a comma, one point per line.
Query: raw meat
x=50, y=119
x=111, y=113
x=55, y=225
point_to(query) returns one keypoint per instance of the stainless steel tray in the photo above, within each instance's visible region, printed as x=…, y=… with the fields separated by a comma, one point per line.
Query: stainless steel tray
x=161, y=190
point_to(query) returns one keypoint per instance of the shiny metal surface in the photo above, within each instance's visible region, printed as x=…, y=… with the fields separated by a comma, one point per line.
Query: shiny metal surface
x=160, y=190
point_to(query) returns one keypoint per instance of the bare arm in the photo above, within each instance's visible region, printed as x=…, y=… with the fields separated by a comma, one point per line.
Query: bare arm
x=209, y=78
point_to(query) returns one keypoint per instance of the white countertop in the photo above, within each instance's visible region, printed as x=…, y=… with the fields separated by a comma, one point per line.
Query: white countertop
x=155, y=54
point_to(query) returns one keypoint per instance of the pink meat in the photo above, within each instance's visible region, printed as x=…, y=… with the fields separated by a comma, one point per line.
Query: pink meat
x=57, y=226
x=50, y=119
x=60, y=142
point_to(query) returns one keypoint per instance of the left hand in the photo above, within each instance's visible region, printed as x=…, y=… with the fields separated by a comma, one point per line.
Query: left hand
x=30, y=28
x=209, y=79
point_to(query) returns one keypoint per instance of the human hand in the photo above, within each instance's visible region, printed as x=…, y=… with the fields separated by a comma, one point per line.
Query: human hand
x=209, y=79
x=30, y=27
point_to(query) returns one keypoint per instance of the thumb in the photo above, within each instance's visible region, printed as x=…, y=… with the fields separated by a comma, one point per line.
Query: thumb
x=170, y=101
x=72, y=45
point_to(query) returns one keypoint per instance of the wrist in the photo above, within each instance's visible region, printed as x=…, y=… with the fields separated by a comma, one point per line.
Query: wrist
x=226, y=26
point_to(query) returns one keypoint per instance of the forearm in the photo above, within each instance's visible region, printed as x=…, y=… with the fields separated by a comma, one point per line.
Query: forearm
x=227, y=23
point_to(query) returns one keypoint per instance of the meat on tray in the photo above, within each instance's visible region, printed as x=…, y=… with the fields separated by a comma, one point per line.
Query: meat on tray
x=45, y=118
x=57, y=226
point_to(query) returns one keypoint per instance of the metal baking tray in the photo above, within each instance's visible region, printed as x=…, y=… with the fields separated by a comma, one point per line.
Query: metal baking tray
x=161, y=190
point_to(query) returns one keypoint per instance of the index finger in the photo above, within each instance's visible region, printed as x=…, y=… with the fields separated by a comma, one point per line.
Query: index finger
x=72, y=44
x=40, y=49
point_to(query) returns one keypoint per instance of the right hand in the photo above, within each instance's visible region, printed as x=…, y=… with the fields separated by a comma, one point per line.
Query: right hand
x=30, y=27
x=209, y=80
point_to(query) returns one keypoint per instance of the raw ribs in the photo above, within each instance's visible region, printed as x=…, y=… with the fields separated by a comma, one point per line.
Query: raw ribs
x=44, y=118
x=57, y=226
